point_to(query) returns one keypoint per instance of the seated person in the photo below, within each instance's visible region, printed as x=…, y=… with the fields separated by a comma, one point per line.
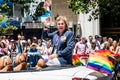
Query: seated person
x=20, y=62
x=5, y=64
x=33, y=56
x=46, y=51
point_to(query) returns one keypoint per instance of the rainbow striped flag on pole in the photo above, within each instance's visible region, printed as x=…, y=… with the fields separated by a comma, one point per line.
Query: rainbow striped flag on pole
x=102, y=61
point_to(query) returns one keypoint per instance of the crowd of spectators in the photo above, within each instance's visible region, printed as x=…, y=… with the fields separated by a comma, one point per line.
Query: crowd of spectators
x=42, y=47
x=97, y=42
x=24, y=47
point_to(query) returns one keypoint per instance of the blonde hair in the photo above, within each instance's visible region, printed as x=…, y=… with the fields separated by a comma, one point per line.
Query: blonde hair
x=62, y=18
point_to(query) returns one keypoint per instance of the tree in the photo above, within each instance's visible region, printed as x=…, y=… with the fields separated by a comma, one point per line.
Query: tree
x=6, y=7
x=5, y=26
x=96, y=8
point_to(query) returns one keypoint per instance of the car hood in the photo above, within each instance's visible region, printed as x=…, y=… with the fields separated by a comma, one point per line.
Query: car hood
x=53, y=74
x=70, y=71
x=89, y=73
x=80, y=71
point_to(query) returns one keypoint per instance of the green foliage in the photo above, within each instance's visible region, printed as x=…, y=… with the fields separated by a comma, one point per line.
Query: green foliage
x=4, y=31
x=5, y=8
x=2, y=18
x=96, y=8
x=84, y=6
x=110, y=7
x=8, y=27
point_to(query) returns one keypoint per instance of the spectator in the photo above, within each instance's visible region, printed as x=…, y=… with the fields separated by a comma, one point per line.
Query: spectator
x=110, y=40
x=81, y=46
x=18, y=44
x=3, y=49
x=6, y=41
x=77, y=39
x=12, y=47
x=40, y=45
x=89, y=43
x=47, y=50
x=106, y=46
x=22, y=37
x=34, y=55
x=24, y=46
x=29, y=42
x=34, y=39
x=114, y=48
x=104, y=40
x=98, y=41
x=94, y=47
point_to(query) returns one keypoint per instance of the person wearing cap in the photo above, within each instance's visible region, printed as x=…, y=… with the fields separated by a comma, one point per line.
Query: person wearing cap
x=98, y=42
x=80, y=49
x=81, y=46
x=33, y=56
x=12, y=47
x=12, y=41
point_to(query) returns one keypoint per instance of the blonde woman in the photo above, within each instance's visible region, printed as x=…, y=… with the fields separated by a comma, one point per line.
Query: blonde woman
x=62, y=42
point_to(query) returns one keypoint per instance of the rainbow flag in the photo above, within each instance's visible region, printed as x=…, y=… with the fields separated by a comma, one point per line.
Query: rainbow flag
x=76, y=60
x=110, y=55
x=102, y=61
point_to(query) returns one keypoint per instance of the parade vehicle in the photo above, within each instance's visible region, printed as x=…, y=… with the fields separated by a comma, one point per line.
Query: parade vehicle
x=64, y=72
x=97, y=70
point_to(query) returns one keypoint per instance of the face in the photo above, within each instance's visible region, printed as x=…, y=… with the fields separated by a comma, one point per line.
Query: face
x=90, y=38
x=48, y=44
x=83, y=40
x=29, y=41
x=33, y=47
x=2, y=45
x=61, y=26
x=114, y=43
x=19, y=37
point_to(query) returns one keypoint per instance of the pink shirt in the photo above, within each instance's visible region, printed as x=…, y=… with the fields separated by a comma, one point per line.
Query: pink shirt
x=80, y=48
